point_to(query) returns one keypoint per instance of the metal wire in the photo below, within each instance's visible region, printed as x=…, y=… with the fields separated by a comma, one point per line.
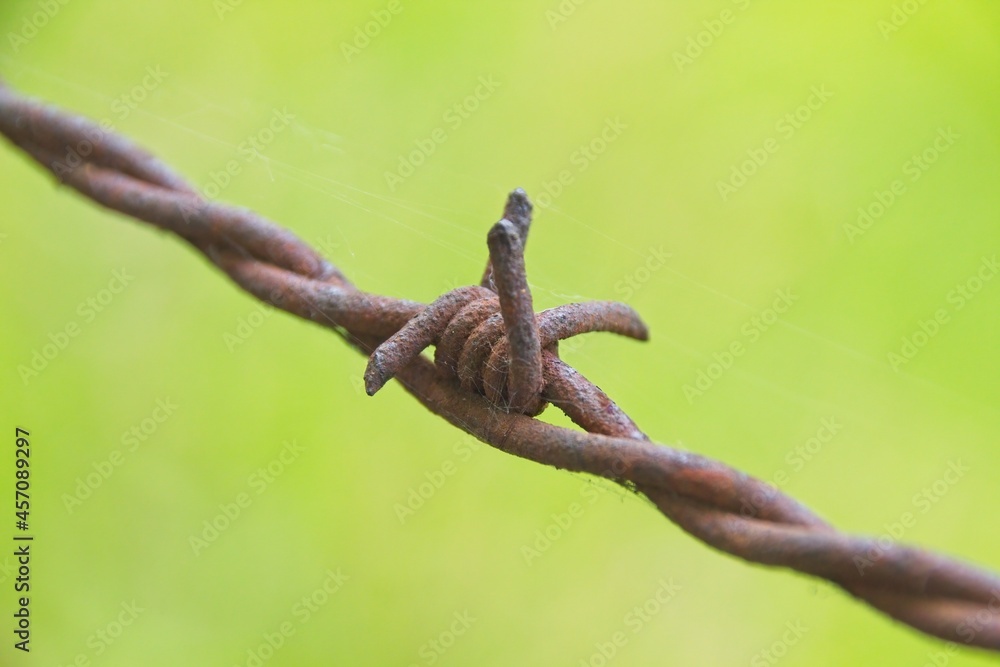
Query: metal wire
x=469, y=384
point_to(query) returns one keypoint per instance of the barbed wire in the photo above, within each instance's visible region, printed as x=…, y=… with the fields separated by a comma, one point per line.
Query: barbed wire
x=497, y=364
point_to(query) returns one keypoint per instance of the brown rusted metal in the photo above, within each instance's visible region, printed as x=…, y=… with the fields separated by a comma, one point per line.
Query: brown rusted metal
x=725, y=508
x=524, y=358
x=420, y=332
x=517, y=211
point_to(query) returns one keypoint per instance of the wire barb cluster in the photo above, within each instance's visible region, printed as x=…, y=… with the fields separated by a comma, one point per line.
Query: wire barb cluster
x=496, y=363
x=488, y=336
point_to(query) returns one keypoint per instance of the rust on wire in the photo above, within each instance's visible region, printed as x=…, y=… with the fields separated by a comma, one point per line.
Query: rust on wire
x=524, y=366
x=496, y=364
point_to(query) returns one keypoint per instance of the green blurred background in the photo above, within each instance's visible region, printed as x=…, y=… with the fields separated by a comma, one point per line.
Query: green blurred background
x=693, y=91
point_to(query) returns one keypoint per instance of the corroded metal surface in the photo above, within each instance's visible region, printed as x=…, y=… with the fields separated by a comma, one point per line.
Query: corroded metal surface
x=478, y=384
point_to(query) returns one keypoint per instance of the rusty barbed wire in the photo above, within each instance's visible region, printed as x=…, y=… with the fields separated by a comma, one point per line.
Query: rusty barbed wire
x=497, y=364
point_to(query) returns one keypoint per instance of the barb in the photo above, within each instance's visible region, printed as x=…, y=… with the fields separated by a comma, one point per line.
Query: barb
x=474, y=330
x=517, y=311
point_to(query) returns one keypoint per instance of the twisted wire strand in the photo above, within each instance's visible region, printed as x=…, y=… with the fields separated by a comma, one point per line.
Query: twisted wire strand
x=725, y=508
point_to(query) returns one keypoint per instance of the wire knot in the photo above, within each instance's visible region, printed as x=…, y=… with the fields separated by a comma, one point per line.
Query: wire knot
x=488, y=336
